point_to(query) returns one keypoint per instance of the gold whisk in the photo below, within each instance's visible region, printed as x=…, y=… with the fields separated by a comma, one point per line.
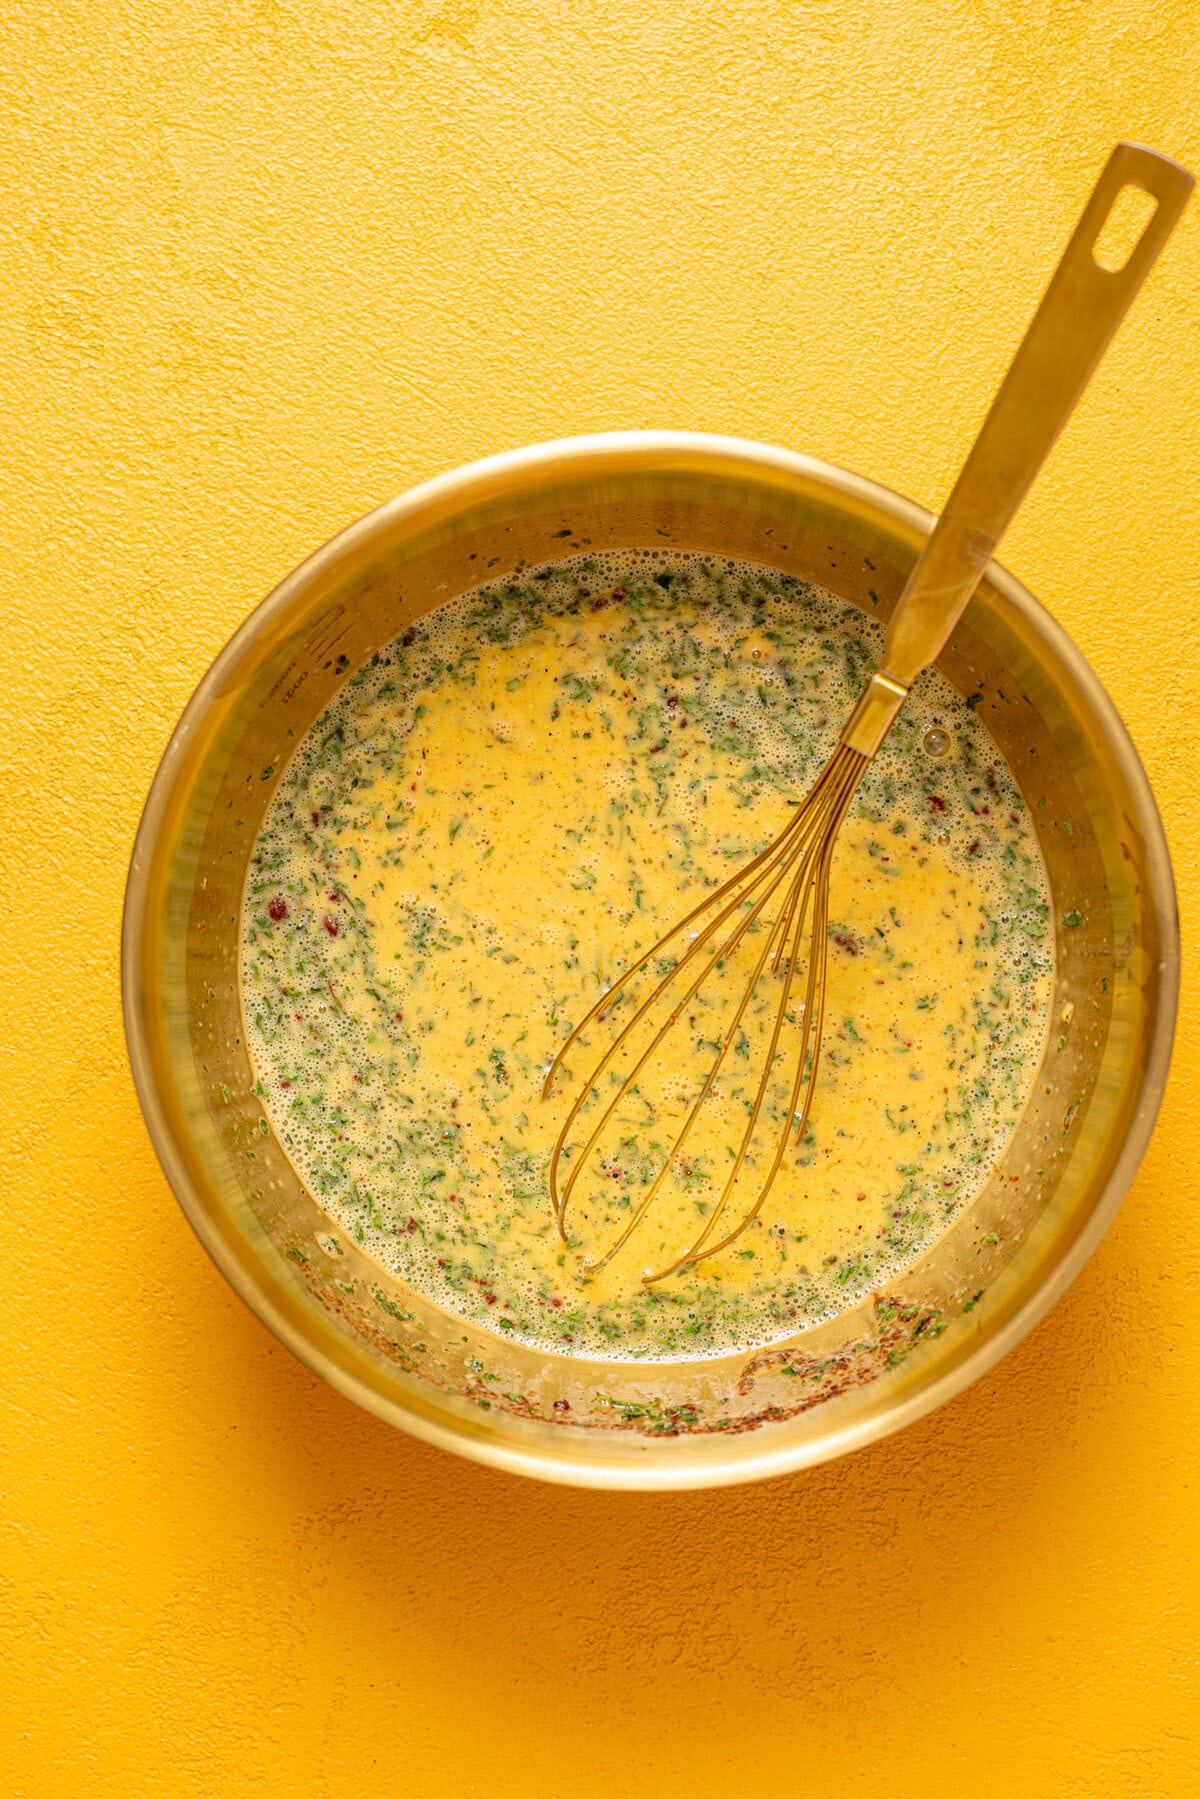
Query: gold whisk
x=775, y=910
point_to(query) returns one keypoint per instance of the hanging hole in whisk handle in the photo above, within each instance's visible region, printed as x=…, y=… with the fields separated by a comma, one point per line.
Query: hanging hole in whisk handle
x=1132, y=211
x=1122, y=230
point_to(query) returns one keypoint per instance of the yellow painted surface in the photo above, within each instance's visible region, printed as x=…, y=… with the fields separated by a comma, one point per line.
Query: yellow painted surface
x=265, y=263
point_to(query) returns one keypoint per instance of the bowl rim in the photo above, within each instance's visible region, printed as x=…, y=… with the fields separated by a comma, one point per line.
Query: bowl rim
x=648, y=1473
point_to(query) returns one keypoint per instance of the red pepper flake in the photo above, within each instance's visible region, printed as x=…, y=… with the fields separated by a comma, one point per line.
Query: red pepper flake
x=490, y=1299
x=337, y=897
x=618, y=593
x=316, y=817
x=973, y=848
x=399, y=1017
x=556, y=1303
x=846, y=942
x=562, y=1405
x=936, y=803
x=332, y=925
x=277, y=909
x=409, y=637
x=284, y=1083
x=412, y=1225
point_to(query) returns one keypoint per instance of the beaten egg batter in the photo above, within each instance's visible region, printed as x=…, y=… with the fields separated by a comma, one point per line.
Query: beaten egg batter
x=514, y=799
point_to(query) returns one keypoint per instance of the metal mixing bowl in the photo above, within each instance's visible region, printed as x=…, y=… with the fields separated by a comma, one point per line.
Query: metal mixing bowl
x=668, y=1424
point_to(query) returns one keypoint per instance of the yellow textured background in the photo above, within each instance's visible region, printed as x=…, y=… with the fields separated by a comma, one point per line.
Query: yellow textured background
x=263, y=264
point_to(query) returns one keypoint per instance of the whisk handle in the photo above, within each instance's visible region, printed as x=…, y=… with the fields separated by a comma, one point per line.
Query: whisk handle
x=1080, y=310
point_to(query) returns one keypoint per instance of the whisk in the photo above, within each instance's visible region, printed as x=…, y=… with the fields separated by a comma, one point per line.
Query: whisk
x=774, y=912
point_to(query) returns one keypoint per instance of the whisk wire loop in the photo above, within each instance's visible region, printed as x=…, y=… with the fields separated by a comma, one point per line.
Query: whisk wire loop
x=724, y=950
x=800, y=857
x=809, y=888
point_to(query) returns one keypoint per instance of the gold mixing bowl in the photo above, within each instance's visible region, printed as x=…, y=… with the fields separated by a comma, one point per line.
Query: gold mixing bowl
x=827, y=1389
